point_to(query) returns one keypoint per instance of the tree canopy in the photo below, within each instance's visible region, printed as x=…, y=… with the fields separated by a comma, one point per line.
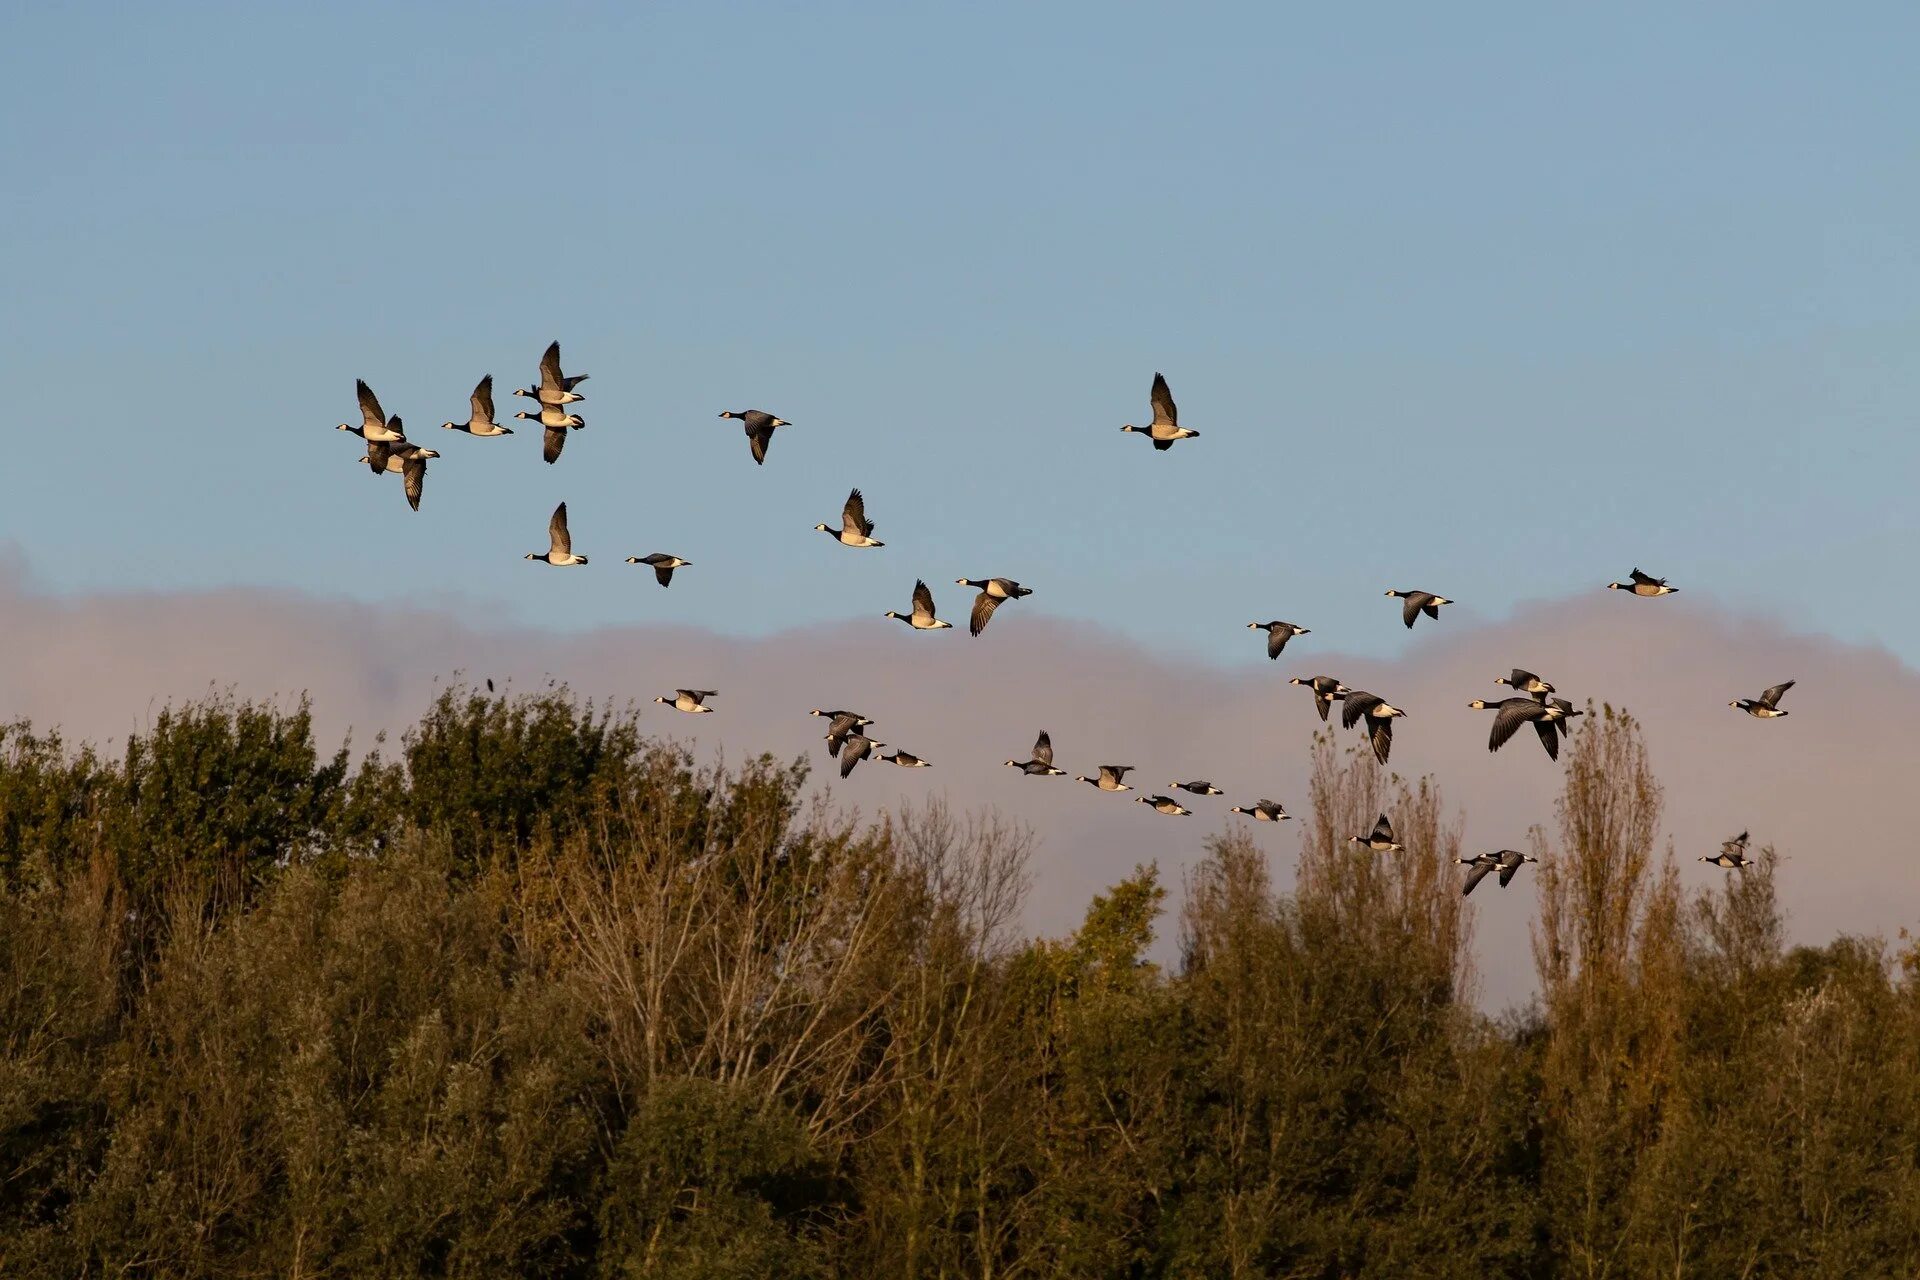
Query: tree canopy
x=541, y=995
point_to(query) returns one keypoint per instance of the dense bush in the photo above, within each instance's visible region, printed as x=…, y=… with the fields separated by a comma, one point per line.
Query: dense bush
x=546, y=997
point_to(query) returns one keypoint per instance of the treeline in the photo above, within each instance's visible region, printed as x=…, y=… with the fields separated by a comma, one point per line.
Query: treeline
x=542, y=996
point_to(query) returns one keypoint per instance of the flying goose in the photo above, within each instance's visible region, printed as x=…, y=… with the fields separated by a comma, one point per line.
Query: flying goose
x=662, y=565
x=554, y=387
x=857, y=747
x=1507, y=861
x=1380, y=840
x=554, y=424
x=855, y=529
x=1166, y=426
x=1732, y=855
x=905, y=760
x=383, y=456
x=1278, y=633
x=1165, y=804
x=1378, y=714
x=840, y=724
x=552, y=441
x=691, y=701
x=852, y=717
x=1511, y=860
x=1041, y=765
x=921, y=619
x=406, y=459
x=1418, y=602
x=992, y=592
x=374, y=426
x=759, y=430
x=480, y=421
x=1198, y=788
x=1326, y=691
x=1511, y=713
x=550, y=416
x=1566, y=713
x=1110, y=778
x=838, y=731
x=1481, y=863
x=560, y=552
x=1525, y=682
x=1265, y=811
x=1767, y=705
x=1642, y=585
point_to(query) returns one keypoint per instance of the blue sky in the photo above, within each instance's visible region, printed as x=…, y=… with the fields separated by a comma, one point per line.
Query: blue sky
x=1496, y=302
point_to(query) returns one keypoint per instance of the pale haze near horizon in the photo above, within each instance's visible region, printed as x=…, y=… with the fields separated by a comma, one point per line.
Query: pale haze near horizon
x=1496, y=307
x=1820, y=785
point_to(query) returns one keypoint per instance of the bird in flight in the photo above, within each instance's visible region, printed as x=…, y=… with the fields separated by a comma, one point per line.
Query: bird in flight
x=554, y=388
x=560, y=549
x=662, y=566
x=374, y=424
x=691, y=701
x=1041, y=764
x=1167, y=805
x=992, y=592
x=1326, y=691
x=1380, y=839
x=1641, y=584
x=1506, y=861
x=1511, y=713
x=1166, y=426
x=1278, y=633
x=1732, y=855
x=921, y=619
x=855, y=529
x=759, y=430
x=1417, y=603
x=1767, y=705
x=480, y=413
x=1379, y=715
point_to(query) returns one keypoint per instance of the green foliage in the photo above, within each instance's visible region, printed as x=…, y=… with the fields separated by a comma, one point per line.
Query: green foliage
x=1111, y=946
x=710, y=1181
x=544, y=997
x=494, y=772
x=51, y=806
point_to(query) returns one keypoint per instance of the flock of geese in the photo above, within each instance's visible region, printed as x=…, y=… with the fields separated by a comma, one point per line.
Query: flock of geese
x=1532, y=702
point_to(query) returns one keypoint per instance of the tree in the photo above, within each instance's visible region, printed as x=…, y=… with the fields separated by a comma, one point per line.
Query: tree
x=1608, y=946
